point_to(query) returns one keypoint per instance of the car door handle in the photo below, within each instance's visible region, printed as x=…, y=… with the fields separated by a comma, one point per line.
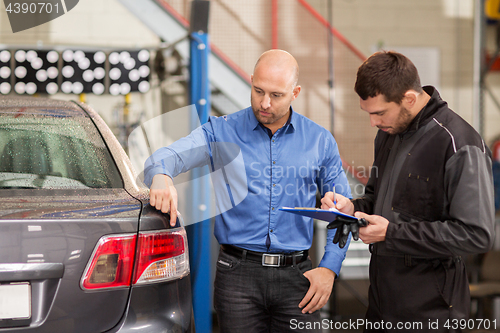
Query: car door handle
x=30, y=271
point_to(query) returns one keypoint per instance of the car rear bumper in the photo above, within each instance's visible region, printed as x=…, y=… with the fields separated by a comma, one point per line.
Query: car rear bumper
x=159, y=308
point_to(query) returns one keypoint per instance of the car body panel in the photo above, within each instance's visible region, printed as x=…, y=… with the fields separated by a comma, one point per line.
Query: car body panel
x=143, y=313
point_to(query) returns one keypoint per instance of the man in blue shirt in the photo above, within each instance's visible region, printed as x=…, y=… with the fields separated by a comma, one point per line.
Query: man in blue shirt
x=264, y=279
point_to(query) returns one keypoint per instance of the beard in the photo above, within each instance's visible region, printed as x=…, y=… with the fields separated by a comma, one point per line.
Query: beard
x=263, y=120
x=272, y=116
x=402, y=123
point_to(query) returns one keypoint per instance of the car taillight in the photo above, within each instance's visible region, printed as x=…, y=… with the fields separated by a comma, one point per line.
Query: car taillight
x=111, y=263
x=160, y=256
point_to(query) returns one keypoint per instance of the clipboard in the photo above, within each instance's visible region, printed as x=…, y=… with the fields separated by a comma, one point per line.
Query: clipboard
x=320, y=214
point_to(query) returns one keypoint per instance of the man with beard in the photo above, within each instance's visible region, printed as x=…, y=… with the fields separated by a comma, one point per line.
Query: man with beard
x=428, y=202
x=264, y=279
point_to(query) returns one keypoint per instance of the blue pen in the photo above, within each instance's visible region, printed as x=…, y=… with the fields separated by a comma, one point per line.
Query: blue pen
x=334, y=199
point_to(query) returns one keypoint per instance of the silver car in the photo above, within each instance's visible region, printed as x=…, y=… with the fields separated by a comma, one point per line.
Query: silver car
x=81, y=250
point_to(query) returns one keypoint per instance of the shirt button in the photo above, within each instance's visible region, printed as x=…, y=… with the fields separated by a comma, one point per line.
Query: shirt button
x=274, y=185
x=273, y=140
x=271, y=230
x=272, y=208
x=274, y=162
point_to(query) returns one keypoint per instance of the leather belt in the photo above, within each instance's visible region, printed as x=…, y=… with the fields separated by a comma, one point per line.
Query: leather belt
x=267, y=259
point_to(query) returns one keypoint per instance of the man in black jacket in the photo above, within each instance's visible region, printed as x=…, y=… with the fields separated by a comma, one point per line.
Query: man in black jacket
x=429, y=201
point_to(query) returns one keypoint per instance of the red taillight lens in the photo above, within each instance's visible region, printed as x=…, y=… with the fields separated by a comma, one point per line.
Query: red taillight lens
x=111, y=263
x=161, y=256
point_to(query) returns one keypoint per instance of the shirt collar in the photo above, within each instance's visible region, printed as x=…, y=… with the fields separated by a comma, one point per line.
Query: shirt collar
x=291, y=120
x=253, y=120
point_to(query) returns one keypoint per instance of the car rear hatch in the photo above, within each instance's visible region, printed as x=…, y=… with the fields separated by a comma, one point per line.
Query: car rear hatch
x=46, y=240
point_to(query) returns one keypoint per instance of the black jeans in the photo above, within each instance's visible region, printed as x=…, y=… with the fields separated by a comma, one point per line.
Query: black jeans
x=249, y=297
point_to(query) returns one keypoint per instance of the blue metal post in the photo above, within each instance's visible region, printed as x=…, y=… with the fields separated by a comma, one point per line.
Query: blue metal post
x=199, y=234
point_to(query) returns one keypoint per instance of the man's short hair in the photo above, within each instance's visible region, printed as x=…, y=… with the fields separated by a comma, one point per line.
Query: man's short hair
x=388, y=73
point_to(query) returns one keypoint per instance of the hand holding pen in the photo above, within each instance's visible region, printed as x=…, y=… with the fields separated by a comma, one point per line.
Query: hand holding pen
x=334, y=200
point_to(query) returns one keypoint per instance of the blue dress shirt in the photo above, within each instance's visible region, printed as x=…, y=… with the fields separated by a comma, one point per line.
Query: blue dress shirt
x=256, y=174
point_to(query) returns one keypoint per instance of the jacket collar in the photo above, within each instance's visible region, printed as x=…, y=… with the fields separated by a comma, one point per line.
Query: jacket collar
x=425, y=115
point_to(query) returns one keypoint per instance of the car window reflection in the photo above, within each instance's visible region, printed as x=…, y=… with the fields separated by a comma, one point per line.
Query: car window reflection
x=42, y=151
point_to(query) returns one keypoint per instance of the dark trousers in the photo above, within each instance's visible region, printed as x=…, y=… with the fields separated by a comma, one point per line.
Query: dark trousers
x=249, y=297
x=416, y=295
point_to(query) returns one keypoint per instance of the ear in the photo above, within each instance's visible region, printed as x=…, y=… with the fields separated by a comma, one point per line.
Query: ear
x=410, y=99
x=251, y=78
x=296, y=92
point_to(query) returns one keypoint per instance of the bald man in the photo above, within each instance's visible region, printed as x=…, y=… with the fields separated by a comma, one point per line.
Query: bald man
x=264, y=280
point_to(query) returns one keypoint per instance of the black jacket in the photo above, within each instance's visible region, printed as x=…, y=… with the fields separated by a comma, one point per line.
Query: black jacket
x=438, y=181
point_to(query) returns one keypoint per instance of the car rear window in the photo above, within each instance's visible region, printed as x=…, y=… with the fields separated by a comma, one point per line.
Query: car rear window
x=55, y=150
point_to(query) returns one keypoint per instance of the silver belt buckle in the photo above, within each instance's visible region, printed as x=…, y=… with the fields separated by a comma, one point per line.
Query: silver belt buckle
x=271, y=260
